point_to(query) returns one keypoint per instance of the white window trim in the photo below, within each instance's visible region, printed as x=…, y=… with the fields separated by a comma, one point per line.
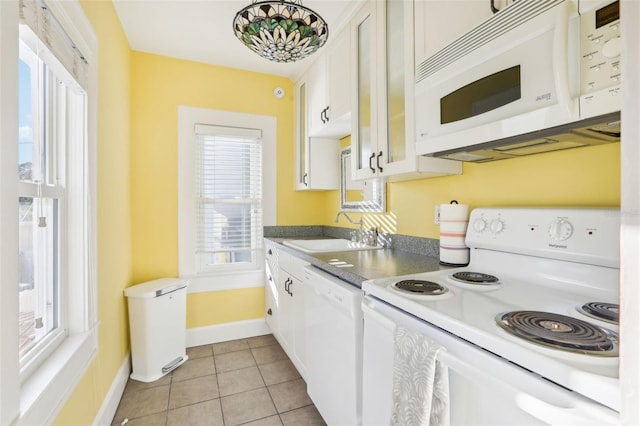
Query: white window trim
x=188, y=117
x=39, y=398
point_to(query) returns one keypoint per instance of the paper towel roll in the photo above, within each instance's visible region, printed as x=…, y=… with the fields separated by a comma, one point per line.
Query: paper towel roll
x=454, y=219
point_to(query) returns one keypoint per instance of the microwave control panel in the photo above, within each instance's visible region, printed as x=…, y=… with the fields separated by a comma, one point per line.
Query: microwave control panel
x=600, y=46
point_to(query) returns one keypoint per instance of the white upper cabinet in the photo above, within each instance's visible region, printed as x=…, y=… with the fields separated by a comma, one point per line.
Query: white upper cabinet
x=316, y=159
x=329, y=90
x=383, y=119
x=317, y=81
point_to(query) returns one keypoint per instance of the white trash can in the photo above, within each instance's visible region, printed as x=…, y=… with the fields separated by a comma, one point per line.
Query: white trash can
x=158, y=326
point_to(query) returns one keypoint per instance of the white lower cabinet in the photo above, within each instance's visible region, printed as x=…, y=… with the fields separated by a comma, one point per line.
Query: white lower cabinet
x=286, y=301
x=271, y=284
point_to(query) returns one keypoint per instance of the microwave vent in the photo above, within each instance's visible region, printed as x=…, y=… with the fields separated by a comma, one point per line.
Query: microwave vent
x=500, y=23
x=591, y=131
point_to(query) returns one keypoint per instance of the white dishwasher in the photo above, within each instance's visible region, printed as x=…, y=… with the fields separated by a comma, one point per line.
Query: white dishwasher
x=333, y=326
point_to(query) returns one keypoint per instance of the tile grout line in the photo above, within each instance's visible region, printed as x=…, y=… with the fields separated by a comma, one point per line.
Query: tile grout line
x=267, y=388
x=215, y=366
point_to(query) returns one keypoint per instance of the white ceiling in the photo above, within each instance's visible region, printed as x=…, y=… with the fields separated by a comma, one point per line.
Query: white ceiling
x=201, y=30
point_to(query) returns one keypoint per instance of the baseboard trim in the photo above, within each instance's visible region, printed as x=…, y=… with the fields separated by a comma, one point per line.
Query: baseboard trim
x=228, y=331
x=112, y=399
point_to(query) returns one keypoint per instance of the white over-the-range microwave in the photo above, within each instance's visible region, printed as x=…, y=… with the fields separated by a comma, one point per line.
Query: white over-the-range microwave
x=537, y=76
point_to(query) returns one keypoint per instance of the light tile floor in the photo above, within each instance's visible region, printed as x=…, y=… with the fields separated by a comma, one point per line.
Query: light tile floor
x=240, y=382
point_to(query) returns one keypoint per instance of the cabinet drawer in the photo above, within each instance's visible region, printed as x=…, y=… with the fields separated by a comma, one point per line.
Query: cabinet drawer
x=293, y=265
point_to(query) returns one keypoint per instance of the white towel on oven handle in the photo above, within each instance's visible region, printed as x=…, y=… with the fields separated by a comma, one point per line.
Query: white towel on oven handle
x=420, y=381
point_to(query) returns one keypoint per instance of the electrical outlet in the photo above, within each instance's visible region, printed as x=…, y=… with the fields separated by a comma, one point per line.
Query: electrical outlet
x=436, y=214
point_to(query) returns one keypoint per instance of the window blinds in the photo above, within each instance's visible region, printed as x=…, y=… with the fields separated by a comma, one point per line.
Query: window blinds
x=36, y=15
x=228, y=193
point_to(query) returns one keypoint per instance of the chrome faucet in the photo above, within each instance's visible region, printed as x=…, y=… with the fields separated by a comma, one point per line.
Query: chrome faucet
x=358, y=236
x=349, y=219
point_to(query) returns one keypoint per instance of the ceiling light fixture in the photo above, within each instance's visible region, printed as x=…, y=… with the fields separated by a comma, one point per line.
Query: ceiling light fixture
x=281, y=31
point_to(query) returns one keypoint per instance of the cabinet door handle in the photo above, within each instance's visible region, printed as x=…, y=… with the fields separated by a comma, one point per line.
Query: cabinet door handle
x=287, y=286
x=269, y=252
x=494, y=9
x=323, y=115
x=269, y=312
x=304, y=180
x=378, y=161
x=370, y=160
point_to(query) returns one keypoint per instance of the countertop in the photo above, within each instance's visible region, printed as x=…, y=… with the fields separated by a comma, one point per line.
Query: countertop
x=367, y=264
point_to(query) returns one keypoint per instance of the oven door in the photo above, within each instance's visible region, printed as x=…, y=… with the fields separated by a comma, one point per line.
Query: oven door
x=484, y=389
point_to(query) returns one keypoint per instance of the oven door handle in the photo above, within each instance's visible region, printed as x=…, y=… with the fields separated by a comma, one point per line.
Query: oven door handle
x=554, y=414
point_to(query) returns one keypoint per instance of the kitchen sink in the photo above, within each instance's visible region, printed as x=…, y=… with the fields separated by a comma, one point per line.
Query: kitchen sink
x=327, y=245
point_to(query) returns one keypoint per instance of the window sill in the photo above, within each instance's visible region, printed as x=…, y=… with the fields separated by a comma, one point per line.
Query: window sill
x=44, y=393
x=203, y=283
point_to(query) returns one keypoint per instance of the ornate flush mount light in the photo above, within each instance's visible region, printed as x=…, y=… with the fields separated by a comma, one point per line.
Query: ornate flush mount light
x=280, y=31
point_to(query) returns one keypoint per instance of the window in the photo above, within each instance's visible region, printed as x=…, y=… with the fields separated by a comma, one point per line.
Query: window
x=51, y=254
x=226, y=193
x=44, y=101
x=228, y=197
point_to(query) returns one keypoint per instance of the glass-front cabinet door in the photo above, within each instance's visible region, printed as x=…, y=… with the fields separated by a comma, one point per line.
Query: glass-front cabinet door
x=364, y=114
x=398, y=71
x=396, y=87
x=301, y=129
x=383, y=141
x=383, y=117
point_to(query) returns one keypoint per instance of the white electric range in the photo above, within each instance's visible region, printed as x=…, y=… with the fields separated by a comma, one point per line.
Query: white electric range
x=529, y=327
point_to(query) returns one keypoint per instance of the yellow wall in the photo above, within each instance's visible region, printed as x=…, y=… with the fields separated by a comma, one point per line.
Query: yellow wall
x=580, y=177
x=224, y=306
x=114, y=221
x=159, y=85
x=576, y=177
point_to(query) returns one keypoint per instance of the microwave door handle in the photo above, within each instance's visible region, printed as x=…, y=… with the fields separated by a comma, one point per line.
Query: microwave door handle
x=560, y=57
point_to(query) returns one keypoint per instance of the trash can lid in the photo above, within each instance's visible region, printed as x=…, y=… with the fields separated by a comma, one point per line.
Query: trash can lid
x=155, y=288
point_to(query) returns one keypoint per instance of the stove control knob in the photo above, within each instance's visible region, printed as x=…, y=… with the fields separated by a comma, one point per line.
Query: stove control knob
x=560, y=230
x=496, y=226
x=479, y=224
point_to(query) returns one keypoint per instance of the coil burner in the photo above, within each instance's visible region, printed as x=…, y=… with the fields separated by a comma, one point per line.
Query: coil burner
x=420, y=287
x=609, y=312
x=475, y=278
x=560, y=332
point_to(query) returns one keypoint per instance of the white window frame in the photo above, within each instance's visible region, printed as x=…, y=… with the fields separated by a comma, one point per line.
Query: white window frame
x=188, y=118
x=38, y=396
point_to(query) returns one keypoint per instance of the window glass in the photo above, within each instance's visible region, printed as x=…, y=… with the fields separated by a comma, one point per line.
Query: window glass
x=229, y=199
x=38, y=273
x=25, y=116
x=48, y=117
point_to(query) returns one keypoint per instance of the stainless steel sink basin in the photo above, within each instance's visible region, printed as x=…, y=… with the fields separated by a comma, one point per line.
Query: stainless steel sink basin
x=327, y=245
